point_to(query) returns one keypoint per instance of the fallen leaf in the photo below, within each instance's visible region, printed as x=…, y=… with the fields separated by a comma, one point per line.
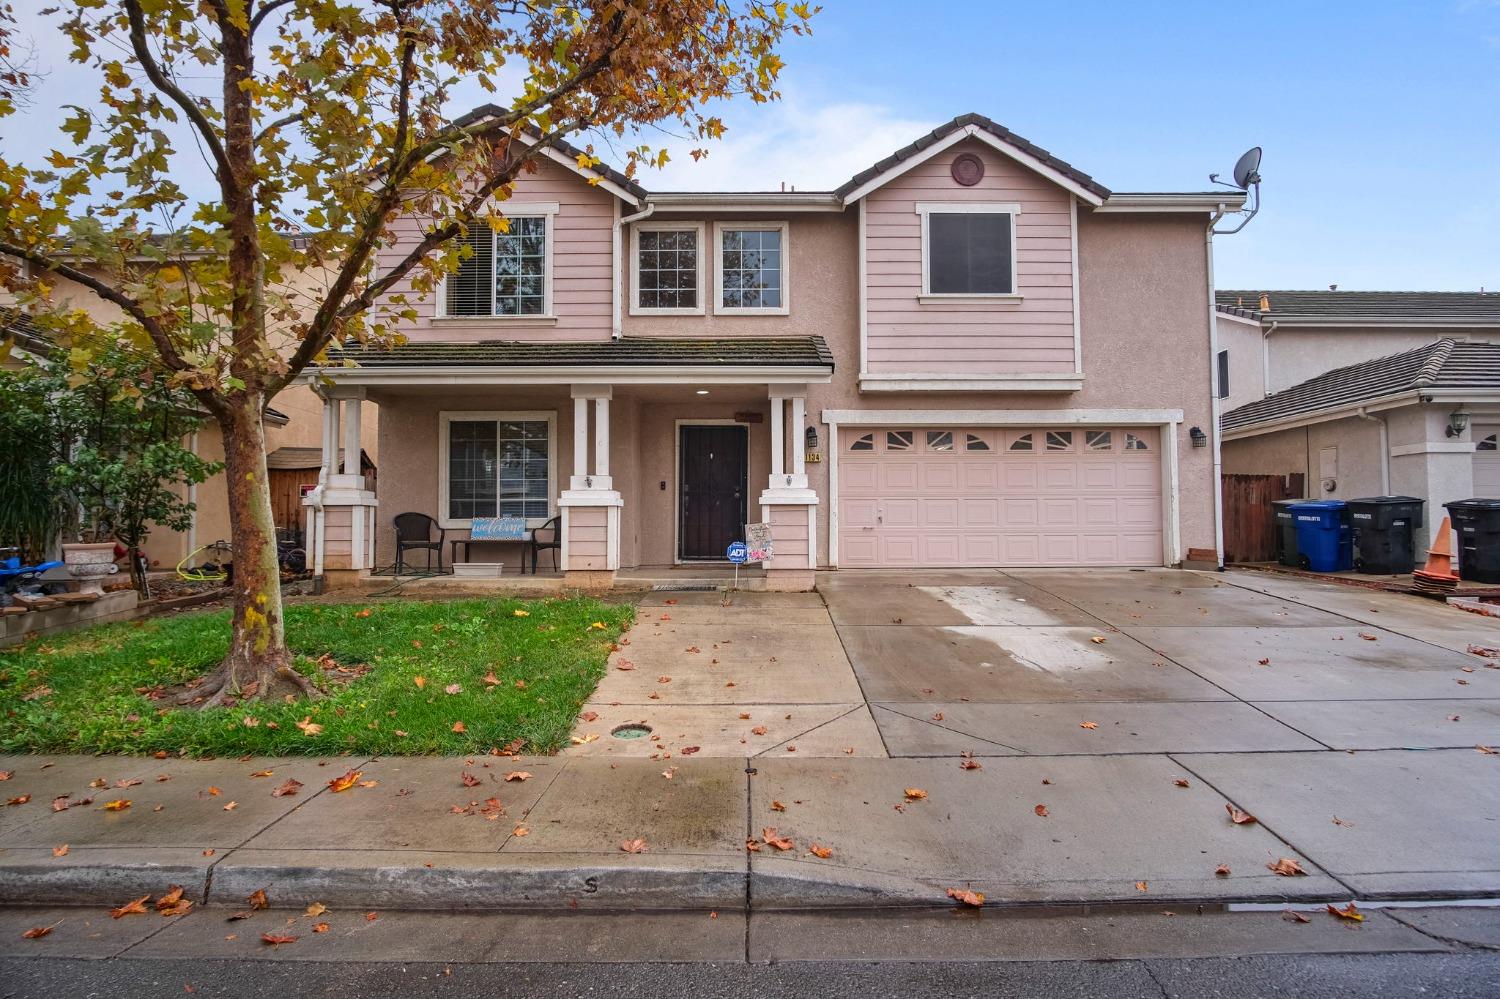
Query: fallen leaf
x=1349, y=912
x=118, y=805
x=1286, y=867
x=634, y=846
x=753, y=845
x=589, y=716
x=1182, y=782
x=209, y=852
x=61, y=803
x=822, y=852
x=1342, y=822
x=1141, y=886
x=231, y=806
x=1098, y=639
x=469, y=780
x=1239, y=816
x=1265, y=662
x=420, y=681
x=1088, y=725
x=60, y=851
x=1041, y=811
x=309, y=728
x=263, y=773
x=970, y=765
x=258, y=899
x=172, y=903
x=1486, y=750
x=773, y=837
x=458, y=727
x=915, y=794
x=963, y=896
x=320, y=927
x=370, y=917
x=1367, y=636
x=37, y=932
x=689, y=750
x=277, y=939
x=1294, y=917
x=520, y=613
x=127, y=782
x=1222, y=871
x=520, y=831
x=938, y=716
x=236, y=917
x=758, y=730
x=316, y=909
x=362, y=613
x=134, y=908
x=744, y=716
x=291, y=786
x=345, y=782
x=518, y=775
x=625, y=665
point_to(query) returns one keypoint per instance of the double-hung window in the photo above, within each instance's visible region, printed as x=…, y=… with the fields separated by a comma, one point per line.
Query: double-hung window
x=505, y=274
x=968, y=250
x=750, y=268
x=497, y=465
x=668, y=269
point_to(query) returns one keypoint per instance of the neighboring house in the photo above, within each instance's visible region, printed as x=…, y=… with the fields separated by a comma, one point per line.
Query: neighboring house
x=294, y=421
x=970, y=354
x=1369, y=392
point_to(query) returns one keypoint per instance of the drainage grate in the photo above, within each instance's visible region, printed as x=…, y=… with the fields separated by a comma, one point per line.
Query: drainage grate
x=684, y=587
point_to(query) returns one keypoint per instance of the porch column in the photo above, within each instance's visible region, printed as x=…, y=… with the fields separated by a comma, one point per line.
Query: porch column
x=788, y=504
x=590, y=505
x=340, y=539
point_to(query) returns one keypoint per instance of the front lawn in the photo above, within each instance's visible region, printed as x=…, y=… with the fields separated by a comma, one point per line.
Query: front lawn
x=400, y=677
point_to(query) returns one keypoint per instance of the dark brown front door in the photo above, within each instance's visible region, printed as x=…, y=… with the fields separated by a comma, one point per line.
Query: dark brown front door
x=711, y=500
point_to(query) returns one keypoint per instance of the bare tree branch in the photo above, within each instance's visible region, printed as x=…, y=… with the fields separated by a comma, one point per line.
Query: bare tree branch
x=272, y=126
x=265, y=11
x=167, y=86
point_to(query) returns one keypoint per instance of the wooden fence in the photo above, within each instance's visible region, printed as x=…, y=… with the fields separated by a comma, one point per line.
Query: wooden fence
x=1249, y=522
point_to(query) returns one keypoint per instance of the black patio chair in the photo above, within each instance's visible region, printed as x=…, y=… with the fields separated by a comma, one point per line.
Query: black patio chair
x=548, y=536
x=414, y=531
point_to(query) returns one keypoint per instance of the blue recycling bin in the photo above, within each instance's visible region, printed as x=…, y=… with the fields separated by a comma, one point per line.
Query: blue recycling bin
x=1324, y=539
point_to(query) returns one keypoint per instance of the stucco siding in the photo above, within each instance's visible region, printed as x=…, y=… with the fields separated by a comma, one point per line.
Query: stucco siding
x=1247, y=363
x=1033, y=334
x=1301, y=449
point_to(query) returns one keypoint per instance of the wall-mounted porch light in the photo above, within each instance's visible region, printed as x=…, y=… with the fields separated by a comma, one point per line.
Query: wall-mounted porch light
x=812, y=438
x=1457, y=423
x=1198, y=437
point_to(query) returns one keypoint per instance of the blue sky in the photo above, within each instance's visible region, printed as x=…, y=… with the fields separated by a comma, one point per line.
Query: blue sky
x=1380, y=120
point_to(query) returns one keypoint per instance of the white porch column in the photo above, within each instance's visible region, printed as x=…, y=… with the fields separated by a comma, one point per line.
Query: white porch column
x=351, y=437
x=340, y=511
x=590, y=505
x=788, y=504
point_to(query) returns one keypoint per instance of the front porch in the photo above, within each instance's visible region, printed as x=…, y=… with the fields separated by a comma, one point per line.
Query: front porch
x=645, y=461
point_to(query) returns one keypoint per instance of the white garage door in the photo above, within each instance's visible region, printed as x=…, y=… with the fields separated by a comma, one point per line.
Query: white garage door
x=1487, y=463
x=988, y=497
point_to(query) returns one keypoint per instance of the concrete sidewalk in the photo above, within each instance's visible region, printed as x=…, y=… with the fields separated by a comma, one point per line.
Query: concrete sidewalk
x=1116, y=829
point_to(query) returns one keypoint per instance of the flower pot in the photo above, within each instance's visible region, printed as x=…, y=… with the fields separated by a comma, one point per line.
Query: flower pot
x=89, y=564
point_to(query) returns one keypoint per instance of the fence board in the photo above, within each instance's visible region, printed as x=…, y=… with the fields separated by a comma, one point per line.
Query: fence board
x=1249, y=521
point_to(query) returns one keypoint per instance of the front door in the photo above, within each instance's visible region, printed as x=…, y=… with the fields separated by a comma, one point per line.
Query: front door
x=712, y=473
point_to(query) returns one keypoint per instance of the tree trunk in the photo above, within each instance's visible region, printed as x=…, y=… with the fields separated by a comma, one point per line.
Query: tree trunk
x=259, y=663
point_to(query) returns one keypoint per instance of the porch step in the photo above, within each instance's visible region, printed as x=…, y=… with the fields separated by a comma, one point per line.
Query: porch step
x=686, y=586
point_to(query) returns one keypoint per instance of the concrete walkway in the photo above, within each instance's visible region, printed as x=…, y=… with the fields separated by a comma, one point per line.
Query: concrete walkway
x=1045, y=738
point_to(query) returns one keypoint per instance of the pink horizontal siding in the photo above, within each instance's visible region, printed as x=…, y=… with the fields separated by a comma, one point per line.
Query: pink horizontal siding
x=588, y=537
x=581, y=267
x=1034, y=335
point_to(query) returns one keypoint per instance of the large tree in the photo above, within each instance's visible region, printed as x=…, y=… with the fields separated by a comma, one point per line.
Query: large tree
x=323, y=123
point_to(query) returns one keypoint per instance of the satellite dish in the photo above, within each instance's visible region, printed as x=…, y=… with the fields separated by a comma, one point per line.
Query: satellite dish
x=1247, y=169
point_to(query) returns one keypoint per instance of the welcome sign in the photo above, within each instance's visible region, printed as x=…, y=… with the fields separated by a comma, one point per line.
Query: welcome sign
x=498, y=529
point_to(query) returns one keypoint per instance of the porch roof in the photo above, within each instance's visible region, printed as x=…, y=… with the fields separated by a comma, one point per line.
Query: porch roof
x=628, y=359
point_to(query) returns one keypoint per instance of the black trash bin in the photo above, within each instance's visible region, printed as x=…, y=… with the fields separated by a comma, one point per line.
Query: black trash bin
x=1286, y=532
x=1383, y=528
x=1477, y=522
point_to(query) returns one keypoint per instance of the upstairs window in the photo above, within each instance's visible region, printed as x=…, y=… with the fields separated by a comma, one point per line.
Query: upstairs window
x=504, y=274
x=668, y=269
x=751, y=268
x=968, y=249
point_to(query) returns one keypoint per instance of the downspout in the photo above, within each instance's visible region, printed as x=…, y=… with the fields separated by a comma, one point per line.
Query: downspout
x=617, y=259
x=1385, y=448
x=1265, y=358
x=1213, y=395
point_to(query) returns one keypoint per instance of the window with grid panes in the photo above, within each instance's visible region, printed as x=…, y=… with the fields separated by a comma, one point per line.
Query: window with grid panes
x=751, y=269
x=498, y=468
x=667, y=269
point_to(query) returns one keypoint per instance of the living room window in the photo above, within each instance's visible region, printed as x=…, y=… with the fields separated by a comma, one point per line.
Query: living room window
x=496, y=465
x=750, y=268
x=504, y=275
x=968, y=250
x=667, y=261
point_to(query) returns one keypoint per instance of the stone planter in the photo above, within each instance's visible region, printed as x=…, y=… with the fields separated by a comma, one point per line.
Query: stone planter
x=89, y=564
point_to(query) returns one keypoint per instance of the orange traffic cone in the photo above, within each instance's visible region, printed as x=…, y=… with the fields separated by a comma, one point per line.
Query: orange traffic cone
x=1438, y=573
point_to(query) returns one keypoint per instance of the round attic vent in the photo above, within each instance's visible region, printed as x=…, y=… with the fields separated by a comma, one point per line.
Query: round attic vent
x=967, y=169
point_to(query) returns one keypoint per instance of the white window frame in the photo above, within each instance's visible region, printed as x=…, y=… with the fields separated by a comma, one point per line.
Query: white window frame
x=720, y=309
x=636, y=308
x=547, y=211
x=449, y=416
x=926, y=209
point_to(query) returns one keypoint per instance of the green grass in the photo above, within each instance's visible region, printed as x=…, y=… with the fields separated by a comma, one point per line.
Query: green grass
x=547, y=655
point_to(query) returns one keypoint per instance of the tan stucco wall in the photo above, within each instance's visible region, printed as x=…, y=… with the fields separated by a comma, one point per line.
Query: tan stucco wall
x=1247, y=366
x=1298, y=450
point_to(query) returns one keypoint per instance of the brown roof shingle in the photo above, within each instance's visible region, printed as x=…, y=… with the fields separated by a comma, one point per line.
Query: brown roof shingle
x=628, y=351
x=1458, y=307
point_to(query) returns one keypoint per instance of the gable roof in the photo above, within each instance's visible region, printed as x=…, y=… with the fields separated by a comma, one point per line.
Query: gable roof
x=1443, y=364
x=1456, y=308
x=567, y=155
x=292, y=458
x=980, y=127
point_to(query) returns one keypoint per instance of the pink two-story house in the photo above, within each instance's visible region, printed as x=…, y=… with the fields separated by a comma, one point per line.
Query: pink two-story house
x=970, y=354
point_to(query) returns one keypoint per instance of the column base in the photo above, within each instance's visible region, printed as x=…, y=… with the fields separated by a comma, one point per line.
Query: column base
x=345, y=579
x=789, y=580
x=591, y=580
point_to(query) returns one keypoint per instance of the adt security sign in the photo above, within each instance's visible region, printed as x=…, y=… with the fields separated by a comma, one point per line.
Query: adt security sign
x=737, y=553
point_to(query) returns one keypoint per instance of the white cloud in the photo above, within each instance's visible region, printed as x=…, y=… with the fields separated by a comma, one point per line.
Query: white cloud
x=814, y=147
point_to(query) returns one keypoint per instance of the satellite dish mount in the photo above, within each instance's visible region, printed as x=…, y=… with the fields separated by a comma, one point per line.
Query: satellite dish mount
x=1246, y=178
